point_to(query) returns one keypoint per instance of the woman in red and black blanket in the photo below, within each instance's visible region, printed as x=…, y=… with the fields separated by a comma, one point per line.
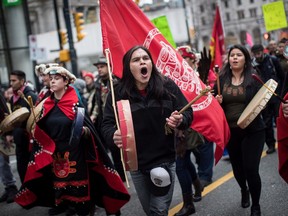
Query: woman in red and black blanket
x=68, y=165
x=282, y=133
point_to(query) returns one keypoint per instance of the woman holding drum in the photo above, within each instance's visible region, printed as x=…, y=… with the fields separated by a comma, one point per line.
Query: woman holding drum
x=154, y=101
x=237, y=88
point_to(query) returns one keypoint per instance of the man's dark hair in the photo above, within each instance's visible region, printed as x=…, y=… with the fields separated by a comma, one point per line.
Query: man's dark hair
x=257, y=48
x=283, y=40
x=20, y=74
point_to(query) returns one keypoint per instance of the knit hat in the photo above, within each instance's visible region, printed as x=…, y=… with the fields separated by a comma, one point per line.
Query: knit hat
x=160, y=181
x=62, y=71
x=87, y=73
x=79, y=84
x=186, y=52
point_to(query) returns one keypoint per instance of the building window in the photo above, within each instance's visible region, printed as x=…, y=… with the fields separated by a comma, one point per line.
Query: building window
x=227, y=16
x=203, y=21
x=253, y=12
x=251, y=1
x=226, y=3
x=239, y=2
x=213, y=6
x=80, y=9
x=206, y=39
x=91, y=15
x=201, y=8
x=241, y=14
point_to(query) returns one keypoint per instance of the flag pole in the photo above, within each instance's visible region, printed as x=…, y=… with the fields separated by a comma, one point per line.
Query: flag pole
x=186, y=22
x=107, y=51
x=220, y=14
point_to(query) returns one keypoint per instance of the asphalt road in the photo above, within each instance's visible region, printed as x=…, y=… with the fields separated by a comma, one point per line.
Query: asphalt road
x=221, y=198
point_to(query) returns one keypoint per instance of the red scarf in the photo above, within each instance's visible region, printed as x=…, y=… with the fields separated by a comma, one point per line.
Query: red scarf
x=66, y=104
x=16, y=96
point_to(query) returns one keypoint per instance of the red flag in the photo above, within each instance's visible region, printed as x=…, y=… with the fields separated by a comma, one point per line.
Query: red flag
x=125, y=25
x=217, y=46
x=249, y=39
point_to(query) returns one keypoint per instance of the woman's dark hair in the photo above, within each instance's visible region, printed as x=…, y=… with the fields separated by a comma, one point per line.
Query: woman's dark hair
x=127, y=83
x=226, y=71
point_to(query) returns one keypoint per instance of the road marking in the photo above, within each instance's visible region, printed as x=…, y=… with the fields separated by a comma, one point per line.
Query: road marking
x=211, y=187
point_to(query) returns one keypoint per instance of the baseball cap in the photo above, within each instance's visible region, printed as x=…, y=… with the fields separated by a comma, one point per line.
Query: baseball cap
x=101, y=60
x=160, y=181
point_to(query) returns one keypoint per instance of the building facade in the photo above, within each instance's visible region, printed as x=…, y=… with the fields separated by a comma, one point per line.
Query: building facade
x=238, y=17
x=190, y=21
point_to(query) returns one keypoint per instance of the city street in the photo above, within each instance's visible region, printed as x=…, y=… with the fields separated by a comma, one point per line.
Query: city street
x=221, y=198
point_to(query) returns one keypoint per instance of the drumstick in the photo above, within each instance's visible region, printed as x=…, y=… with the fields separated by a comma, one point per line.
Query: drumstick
x=259, y=80
x=202, y=92
x=218, y=81
x=107, y=51
x=32, y=107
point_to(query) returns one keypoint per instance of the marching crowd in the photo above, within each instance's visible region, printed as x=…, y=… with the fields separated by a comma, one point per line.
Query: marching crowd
x=72, y=127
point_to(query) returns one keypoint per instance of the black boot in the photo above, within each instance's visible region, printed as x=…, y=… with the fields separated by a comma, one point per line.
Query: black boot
x=12, y=191
x=56, y=210
x=255, y=210
x=4, y=196
x=198, y=190
x=245, y=198
x=188, y=207
x=270, y=150
x=9, y=194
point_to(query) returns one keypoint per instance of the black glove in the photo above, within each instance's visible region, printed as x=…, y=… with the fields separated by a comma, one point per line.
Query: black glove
x=204, y=65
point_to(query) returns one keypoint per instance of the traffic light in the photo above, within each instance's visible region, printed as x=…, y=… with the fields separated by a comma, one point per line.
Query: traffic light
x=266, y=36
x=64, y=37
x=64, y=55
x=79, y=22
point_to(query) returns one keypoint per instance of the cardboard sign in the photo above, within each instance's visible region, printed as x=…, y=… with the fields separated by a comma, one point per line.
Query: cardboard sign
x=274, y=16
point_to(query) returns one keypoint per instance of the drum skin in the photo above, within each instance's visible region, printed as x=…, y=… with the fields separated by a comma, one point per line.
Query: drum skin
x=14, y=119
x=257, y=104
x=128, y=138
x=31, y=120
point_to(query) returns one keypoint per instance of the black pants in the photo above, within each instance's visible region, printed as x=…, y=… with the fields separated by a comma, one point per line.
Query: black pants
x=245, y=151
x=21, y=139
x=116, y=157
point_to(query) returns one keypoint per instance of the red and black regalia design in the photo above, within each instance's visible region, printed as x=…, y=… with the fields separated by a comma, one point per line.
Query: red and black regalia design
x=282, y=137
x=44, y=93
x=61, y=171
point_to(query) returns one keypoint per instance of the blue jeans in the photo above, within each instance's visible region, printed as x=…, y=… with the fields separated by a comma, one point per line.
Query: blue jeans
x=204, y=155
x=153, y=205
x=5, y=171
x=186, y=172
